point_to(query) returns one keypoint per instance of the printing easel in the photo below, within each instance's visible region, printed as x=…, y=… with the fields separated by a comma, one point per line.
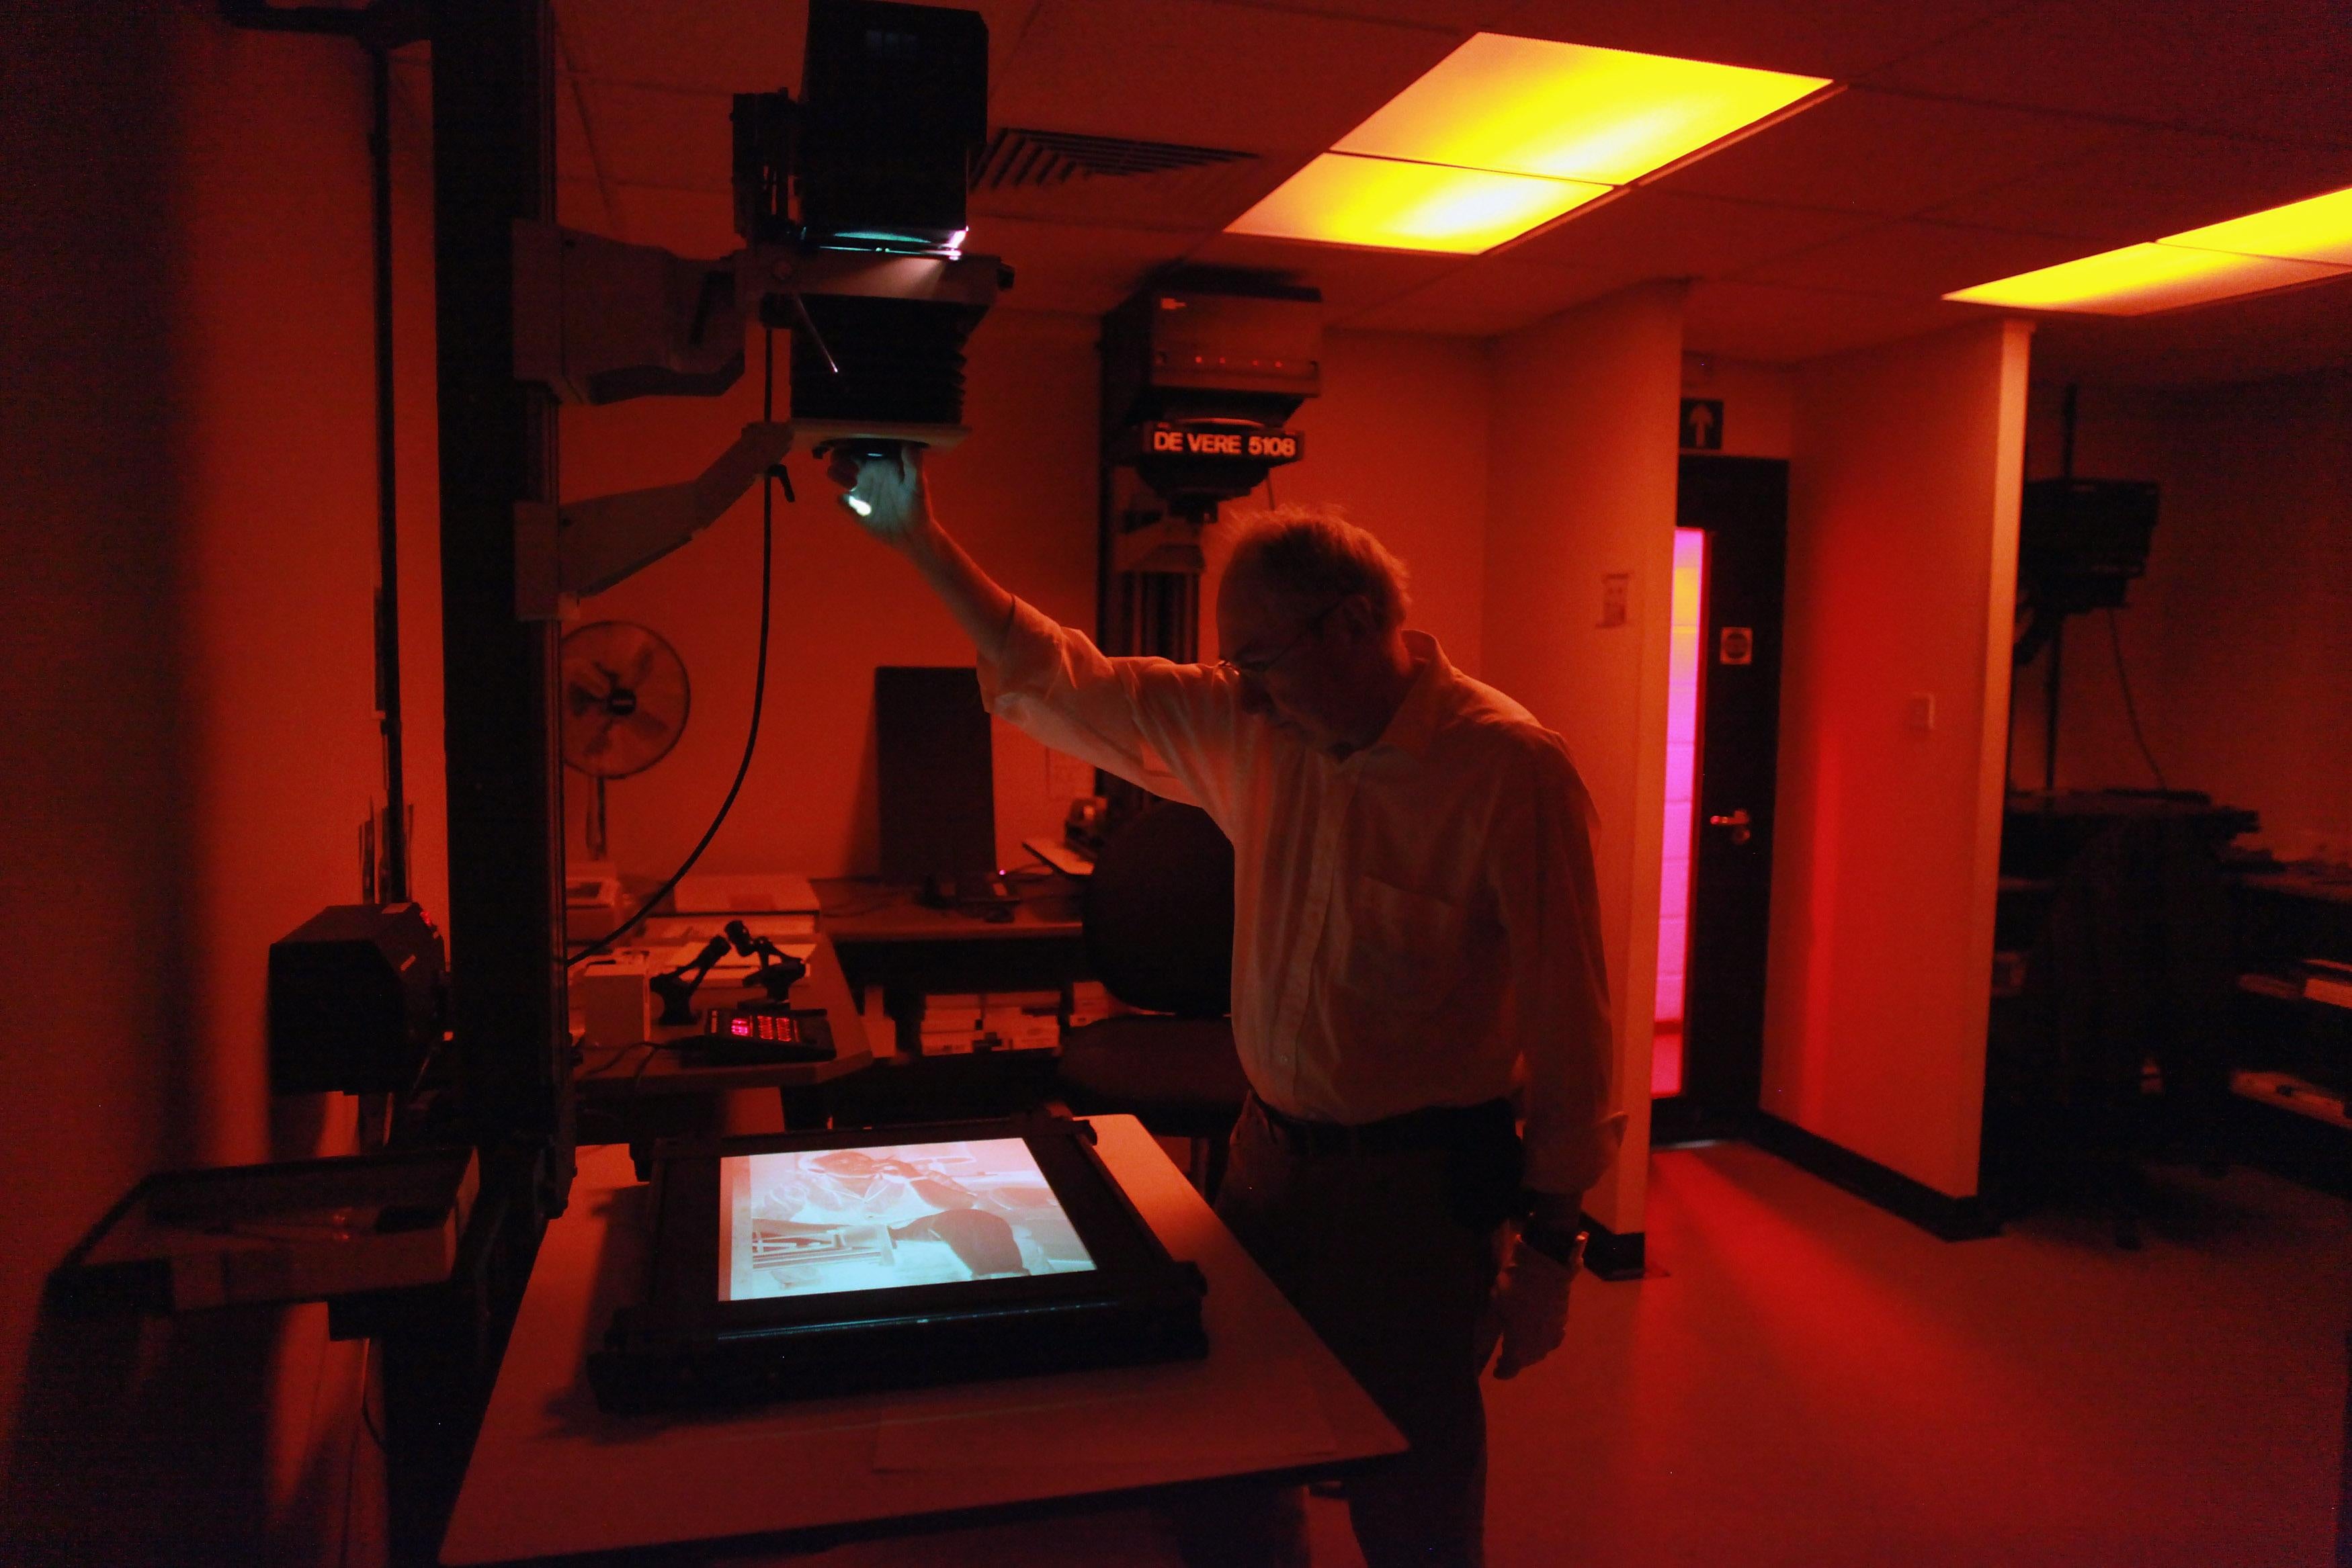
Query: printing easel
x=552, y=1475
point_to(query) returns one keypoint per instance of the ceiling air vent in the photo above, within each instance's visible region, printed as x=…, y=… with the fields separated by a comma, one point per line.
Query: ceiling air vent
x=1110, y=178
x=1019, y=159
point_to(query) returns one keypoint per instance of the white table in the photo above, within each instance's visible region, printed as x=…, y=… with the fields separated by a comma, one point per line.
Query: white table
x=552, y=1474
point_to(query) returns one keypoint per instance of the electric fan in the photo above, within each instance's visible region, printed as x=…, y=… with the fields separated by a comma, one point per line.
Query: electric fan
x=625, y=704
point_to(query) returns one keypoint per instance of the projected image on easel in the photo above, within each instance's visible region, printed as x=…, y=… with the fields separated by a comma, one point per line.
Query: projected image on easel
x=888, y=1215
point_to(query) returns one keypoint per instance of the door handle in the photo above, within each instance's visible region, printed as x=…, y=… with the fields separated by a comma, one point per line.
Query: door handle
x=1738, y=821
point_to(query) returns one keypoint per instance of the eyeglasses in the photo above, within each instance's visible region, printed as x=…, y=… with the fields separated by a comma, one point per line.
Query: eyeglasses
x=1256, y=668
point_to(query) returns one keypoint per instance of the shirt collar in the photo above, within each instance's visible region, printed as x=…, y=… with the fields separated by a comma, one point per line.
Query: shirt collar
x=1414, y=724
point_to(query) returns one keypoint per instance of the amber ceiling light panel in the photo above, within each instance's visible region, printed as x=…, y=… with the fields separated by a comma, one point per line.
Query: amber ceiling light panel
x=2301, y=242
x=1506, y=134
x=1396, y=205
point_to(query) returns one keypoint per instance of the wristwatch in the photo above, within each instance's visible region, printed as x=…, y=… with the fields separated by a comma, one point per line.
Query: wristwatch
x=1565, y=1248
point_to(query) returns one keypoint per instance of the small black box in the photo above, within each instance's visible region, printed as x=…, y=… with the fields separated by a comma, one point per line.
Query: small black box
x=355, y=1000
x=2080, y=541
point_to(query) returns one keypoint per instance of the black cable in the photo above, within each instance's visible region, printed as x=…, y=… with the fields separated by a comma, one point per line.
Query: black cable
x=367, y=1414
x=2131, y=709
x=759, y=676
x=352, y=1454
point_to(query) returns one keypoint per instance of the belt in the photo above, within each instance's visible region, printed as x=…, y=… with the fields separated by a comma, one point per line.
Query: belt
x=1436, y=1127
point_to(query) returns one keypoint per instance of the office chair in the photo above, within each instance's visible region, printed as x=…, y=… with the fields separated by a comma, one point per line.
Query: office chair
x=1158, y=916
x=2134, y=966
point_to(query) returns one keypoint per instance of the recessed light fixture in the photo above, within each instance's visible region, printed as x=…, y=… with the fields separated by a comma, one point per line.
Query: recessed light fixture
x=2299, y=243
x=1506, y=134
x=2317, y=229
x=1345, y=199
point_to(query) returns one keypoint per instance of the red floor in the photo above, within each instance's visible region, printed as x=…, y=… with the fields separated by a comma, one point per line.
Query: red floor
x=1813, y=1382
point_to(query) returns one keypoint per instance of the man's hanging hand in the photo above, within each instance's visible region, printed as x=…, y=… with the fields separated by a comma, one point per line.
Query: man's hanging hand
x=1528, y=1314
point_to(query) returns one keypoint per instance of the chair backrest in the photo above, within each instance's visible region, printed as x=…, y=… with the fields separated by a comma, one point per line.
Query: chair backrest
x=2135, y=956
x=1158, y=914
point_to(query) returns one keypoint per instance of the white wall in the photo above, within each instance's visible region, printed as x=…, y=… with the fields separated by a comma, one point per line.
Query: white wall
x=2239, y=641
x=1582, y=465
x=191, y=463
x=1757, y=401
x=1398, y=439
x=1905, y=466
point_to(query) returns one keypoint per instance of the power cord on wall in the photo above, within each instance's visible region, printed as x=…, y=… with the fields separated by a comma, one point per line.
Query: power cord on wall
x=2131, y=709
x=759, y=676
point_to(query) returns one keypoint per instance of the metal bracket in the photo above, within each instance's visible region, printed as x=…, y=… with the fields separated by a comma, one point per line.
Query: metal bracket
x=562, y=555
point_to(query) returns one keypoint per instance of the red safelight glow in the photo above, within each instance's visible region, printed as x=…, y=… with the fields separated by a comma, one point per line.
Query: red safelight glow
x=1686, y=615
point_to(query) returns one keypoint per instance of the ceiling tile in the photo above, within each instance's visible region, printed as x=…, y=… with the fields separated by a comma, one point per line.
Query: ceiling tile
x=1883, y=153
x=1208, y=75
x=1083, y=269
x=1351, y=279
x=2304, y=104
x=712, y=45
x=1453, y=16
x=580, y=204
x=690, y=223
x=2235, y=341
x=659, y=136
x=2145, y=183
x=1657, y=233
x=1782, y=326
x=725, y=46
x=1208, y=196
x=412, y=89
x=2266, y=67
x=1458, y=15
x=1488, y=297
x=1916, y=260
x=573, y=153
x=1835, y=38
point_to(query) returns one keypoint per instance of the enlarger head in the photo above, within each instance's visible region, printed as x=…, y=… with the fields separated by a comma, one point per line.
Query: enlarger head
x=893, y=116
x=872, y=161
x=851, y=202
x=1200, y=372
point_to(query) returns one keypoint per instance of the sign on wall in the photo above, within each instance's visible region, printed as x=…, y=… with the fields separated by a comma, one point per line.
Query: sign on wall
x=1702, y=425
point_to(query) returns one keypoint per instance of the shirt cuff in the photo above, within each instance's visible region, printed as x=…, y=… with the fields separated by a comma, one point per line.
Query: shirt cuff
x=1574, y=1163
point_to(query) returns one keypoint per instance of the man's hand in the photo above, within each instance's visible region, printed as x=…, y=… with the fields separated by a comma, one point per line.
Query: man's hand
x=886, y=493
x=883, y=491
x=1528, y=1314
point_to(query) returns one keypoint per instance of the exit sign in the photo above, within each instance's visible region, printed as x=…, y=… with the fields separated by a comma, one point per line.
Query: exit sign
x=1702, y=425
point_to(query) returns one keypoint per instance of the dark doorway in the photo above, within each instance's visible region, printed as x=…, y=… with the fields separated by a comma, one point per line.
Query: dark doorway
x=1710, y=1068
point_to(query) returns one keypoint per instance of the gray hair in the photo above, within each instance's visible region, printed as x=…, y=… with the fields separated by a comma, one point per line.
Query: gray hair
x=1313, y=556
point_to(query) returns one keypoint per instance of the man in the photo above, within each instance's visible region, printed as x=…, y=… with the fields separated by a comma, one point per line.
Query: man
x=1414, y=940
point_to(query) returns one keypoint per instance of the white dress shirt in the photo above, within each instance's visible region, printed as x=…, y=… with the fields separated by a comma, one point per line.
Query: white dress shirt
x=1413, y=925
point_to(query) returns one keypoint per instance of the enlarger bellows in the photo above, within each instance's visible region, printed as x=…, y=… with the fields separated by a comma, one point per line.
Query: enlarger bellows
x=899, y=362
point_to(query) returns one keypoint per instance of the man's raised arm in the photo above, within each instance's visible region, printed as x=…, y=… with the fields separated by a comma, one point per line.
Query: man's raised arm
x=889, y=500
x=1165, y=727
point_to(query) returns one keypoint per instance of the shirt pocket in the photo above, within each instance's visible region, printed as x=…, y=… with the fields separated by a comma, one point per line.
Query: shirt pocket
x=1405, y=949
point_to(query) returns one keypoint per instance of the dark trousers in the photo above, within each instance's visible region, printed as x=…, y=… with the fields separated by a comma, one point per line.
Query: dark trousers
x=1374, y=1253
